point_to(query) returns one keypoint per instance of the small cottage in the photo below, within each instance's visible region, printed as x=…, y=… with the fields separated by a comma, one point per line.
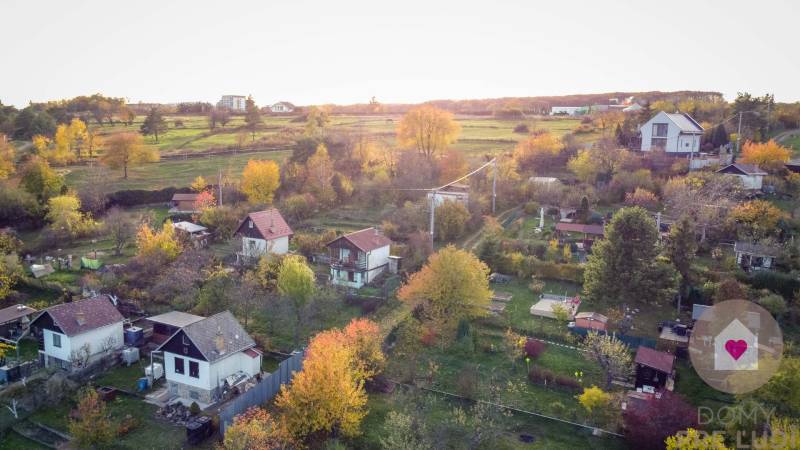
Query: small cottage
x=755, y=256
x=73, y=335
x=262, y=233
x=591, y=321
x=14, y=320
x=654, y=369
x=183, y=203
x=751, y=175
x=358, y=258
x=196, y=235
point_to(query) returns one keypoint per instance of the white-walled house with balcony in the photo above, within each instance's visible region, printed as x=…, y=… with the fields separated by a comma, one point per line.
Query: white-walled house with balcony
x=263, y=232
x=206, y=357
x=676, y=134
x=358, y=258
x=75, y=334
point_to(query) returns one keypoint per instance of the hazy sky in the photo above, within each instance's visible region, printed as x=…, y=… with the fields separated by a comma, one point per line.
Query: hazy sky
x=343, y=51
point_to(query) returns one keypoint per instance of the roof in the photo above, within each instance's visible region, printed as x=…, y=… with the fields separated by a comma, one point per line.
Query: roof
x=741, y=168
x=176, y=318
x=183, y=197
x=189, y=227
x=290, y=105
x=592, y=316
x=84, y=315
x=698, y=310
x=660, y=361
x=756, y=249
x=220, y=328
x=366, y=240
x=270, y=224
x=580, y=228
x=15, y=312
x=544, y=180
x=685, y=122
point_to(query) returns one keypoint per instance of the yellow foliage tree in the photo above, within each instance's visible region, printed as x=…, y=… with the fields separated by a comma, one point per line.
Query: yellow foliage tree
x=60, y=153
x=453, y=285
x=127, y=149
x=594, y=398
x=784, y=435
x=692, y=439
x=538, y=150
x=260, y=180
x=65, y=217
x=428, y=130
x=256, y=429
x=768, y=155
x=162, y=244
x=758, y=218
x=92, y=428
x=319, y=169
x=327, y=395
x=199, y=184
x=7, y=153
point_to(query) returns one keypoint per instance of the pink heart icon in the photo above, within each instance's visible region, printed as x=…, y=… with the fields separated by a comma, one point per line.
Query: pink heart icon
x=736, y=348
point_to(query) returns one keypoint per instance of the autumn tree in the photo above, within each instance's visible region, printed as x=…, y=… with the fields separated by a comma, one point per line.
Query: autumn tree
x=597, y=164
x=296, y=281
x=612, y=355
x=327, y=396
x=154, y=124
x=162, y=245
x=364, y=338
x=255, y=429
x=767, y=155
x=92, y=428
x=757, y=218
x=317, y=119
x=427, y=129
x=39, y=179
x=452, y=166
x=319, y=169
x=450, y=220
x=120, y=229
x=692, y=439
x=625, y=266
x=252, y=116
x=126, y=149
x=199, y=184
x=7, y=153
x=65, y=217
x=648, y=425
x=453, y=285
x=204, y=201
x=539, y=151
x=260, y=180
x=704, y=196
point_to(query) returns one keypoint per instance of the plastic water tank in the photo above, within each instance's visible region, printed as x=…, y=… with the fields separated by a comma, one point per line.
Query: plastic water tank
x=155, y=371
x=130, y=355
x=134, y=336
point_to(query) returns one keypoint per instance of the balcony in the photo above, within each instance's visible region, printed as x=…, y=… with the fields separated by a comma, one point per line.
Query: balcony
x=348, y=264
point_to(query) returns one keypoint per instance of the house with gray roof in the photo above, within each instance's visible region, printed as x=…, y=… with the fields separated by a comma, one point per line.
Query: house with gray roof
x=205, y=358
x=676, y=134
x=751, y=256
x=751, y=175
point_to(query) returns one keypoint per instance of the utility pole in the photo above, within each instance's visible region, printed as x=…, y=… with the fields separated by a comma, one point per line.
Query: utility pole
x=769, y=105
x=219, y=183
x=433, y=208
x=494, y=183
x=739, y=134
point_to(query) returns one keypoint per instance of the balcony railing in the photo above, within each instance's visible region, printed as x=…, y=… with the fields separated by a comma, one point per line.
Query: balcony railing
x=348, y=264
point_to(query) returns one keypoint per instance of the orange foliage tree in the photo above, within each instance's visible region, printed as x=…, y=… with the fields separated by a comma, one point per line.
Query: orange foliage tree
x=452, y=166
x=428, y=130
x=256, y=429
x=768, y=155
x=538, y=151
x=204, y=200
x=757, y=218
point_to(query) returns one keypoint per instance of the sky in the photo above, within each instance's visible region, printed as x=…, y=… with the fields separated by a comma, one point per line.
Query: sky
x=344, y=51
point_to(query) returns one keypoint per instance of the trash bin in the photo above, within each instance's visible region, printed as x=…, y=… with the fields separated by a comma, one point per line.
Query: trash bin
x=143, y=384
x=198, y=429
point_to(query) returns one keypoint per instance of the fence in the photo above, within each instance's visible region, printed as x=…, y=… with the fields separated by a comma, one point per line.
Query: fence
x=262, y=392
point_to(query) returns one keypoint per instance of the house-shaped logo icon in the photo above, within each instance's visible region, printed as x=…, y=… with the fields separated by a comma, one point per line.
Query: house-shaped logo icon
x=736, y=348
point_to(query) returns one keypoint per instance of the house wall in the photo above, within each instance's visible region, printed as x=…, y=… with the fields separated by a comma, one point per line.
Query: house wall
x=95, y=338
x=377, y=262
x=751, y=181
x=226, y=367
x=676, y=142
x=255, y=248
x=203, y=381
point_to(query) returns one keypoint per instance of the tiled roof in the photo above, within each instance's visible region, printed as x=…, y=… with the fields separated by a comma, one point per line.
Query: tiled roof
x=367, y=239
x=219, y=336
x=15, y=312
x=84, y=315
x=178, y=197
x=270, y=224
x=744, y=169
x=660, y=361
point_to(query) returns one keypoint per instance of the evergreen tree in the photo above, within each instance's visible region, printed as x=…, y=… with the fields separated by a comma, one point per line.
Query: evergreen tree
x=154, y=124
x=720, y=136
x=625, y=266
x=583, y=212
x=680, y=249
x=619, y=135
x=252, y=116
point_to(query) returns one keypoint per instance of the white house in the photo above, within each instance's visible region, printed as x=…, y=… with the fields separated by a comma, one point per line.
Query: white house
x=206, y=357
x=262, y=233
x=458, y=193
x=358, y=258
x=569, y=110
x=751, y=175
x=282, y=108
x=78, y=333
x=673, y=133
x=233, y=102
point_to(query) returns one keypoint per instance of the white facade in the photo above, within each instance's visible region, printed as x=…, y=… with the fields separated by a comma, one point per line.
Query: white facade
x=752, y=181
x=281, y=108
x=109, y=335
x=375, y=263
x=256, y=248
x=569, y=110
x=440, y=197
x=233, y=102
x=210, y=376
x=674, y=133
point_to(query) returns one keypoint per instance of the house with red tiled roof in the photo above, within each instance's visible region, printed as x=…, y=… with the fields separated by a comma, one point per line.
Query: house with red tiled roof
x=72, y=335
x=358, y=258
x=263, y=232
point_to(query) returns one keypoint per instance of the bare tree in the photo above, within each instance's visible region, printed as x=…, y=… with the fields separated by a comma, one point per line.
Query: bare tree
x=120, y=228
x=80, y=357
x=108, y=344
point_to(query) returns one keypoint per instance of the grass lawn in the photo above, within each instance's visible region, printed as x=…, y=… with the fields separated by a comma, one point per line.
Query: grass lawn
x=793, y=143
x=122, y=377
x=14, y=441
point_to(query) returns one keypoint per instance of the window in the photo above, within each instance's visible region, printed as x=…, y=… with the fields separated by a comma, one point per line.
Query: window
x=658, y=142
x=179, y=366
x=250, y=223
x=660, y=129
x=194, y=369
x=344, y=253
x=351, y=276
x=56, y=340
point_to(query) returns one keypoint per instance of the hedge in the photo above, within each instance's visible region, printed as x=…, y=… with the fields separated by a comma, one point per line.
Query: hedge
x=135, y=197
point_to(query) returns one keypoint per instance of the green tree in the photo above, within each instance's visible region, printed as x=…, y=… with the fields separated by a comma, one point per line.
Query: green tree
x=720, y=136
x=625, y=266
x=404, y=432
x=40, y=180
x=252, y=116
x=215, y=295
x=451, y=219
x=154, y=124
x=680, y=249
x=296, y=281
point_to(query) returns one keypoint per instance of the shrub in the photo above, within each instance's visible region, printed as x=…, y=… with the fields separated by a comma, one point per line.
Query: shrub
x=522, y=129
x=126, y=425
x=531, y=208
x=775, y=304
x=541, y=376
x=567, y=382
x=428, y=337
x=534, y=348
x=778, y=282
x=467, y=382
x=194, y=408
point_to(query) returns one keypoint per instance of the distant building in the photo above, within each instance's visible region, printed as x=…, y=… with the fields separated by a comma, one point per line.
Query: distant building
x=183, y=203
x=455, y=192
x=632, y=108
x=262, y=233
x=196, y=234
x=751, y=175
x=591, y=321
x=233, y=102
x=569, y=110
x=755, y=256
x=673, y=133
x=358, y=258
x=282, y=108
